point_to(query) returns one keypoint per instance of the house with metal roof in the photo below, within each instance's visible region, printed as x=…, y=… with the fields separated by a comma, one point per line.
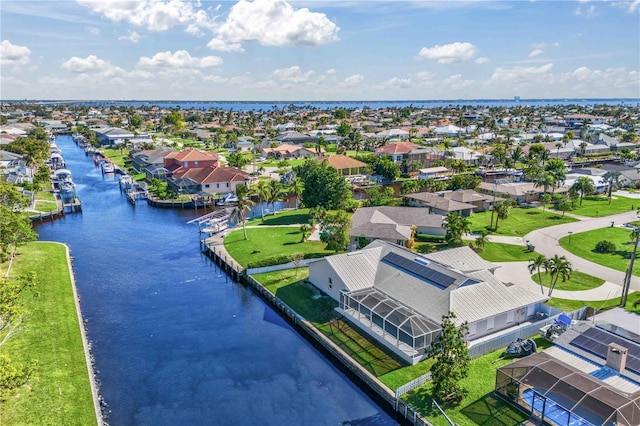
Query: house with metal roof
x=398, y=297
x=393, y=224
x=439, y=205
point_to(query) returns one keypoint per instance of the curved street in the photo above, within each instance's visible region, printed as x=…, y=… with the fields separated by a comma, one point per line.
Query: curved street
x=546, y=242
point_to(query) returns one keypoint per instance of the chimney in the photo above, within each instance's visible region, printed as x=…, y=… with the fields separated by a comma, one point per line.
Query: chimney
x=617, y=357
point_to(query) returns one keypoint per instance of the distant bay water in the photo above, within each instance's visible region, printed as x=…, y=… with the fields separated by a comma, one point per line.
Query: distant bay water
x=280, y=105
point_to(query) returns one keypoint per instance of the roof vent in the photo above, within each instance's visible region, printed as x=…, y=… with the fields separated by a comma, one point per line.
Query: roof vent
x=421, y=260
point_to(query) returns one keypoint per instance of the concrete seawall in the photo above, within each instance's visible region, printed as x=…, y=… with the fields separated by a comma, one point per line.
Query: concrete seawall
x=85, y=343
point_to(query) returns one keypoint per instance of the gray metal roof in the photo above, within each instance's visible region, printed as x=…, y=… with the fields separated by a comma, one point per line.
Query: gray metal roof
x=356, y=269
x=391, y=223
x=461, y=258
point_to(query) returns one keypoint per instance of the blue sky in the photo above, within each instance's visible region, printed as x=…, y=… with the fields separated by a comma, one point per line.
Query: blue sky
x=319, y=50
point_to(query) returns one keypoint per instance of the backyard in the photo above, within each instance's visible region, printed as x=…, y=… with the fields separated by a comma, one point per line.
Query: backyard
x=520, y=222
x=583, y=244
x=272, y=242
x=499, y=252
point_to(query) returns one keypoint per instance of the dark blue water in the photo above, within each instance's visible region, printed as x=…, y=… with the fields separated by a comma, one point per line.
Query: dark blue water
x=280, y=105
x=175, y=341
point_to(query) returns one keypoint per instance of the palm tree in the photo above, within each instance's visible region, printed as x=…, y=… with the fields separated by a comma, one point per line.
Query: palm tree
x=244, y=204
x=455, y=226
x=536, y=264
x=583, y=185
x=261, y=190
x=274, y=193
x=612, y=179
x=545, y=199
x=558, y=266
x=297, y=187
x=481, y=240
x=545, y=180
x=502, y=211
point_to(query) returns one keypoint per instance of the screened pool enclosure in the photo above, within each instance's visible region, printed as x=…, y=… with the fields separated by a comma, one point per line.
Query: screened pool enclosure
x=396, y=324
x=556, y=393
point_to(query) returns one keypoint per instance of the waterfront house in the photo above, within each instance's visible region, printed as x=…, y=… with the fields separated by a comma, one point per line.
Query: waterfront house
x=177, y=162
x=140, y=160
x=520, y=192
x=436, y=173
x=295, y=138
x=113, y=136
x=469, y=196
x=210, y=180
x=398, y=297
x=392, y=224
x=437, y=204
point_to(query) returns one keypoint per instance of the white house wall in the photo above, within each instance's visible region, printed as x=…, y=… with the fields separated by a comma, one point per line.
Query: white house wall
x=325, y=279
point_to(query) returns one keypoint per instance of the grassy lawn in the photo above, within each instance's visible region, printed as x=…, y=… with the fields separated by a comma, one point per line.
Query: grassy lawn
x=60, y=392
x=598, y=206
x=499, y=252
x=480, y=406
x=520, y=222
x=117, y=157
x=45, y=196
x=285, y=217
x=45, y=206
x=578, y=281
x=308, y=302
x=584, y=243
x=263, y=243
x=568, y=305
x=428, y=243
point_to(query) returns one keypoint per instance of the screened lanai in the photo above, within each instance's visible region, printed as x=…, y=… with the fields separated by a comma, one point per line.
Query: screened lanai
x=405, y=329
x=558, y=394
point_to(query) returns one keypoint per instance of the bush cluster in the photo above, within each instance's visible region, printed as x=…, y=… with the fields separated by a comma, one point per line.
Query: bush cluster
x=605, y=246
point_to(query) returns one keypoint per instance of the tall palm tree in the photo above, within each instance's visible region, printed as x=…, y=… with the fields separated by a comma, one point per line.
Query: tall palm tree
x=536, y=264
x=261, y=189
x=612, y=179
x=583, y=185
x=297, y=187
x=545, y=180
x=243, y=205
x=558, y=266
x=502, y=211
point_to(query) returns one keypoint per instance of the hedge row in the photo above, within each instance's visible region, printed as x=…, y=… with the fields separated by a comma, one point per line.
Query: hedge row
x=278, y=260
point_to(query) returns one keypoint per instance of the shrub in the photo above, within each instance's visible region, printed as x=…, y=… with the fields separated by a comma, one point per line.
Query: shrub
x=605, y=246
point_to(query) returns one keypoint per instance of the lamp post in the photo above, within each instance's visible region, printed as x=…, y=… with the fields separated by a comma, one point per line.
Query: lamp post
x=627, y=276
x=570, y=233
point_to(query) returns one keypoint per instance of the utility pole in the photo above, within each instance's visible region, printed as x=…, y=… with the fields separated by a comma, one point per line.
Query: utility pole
x=493, y=207
x=627, y=277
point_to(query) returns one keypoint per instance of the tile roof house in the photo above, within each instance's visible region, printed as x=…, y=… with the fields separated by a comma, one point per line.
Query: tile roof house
x=399, y=151
x=398, y=297
x=140, y=160
x=345, y=165
x=438, y=204
x=520, y=192
x=293, y=137
x=210, y=180
x=469, y=196
x=177, y=162
x=286, y=150
x=392, y=224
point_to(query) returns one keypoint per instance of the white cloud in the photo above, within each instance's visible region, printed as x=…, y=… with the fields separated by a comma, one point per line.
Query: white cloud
x=90, y=64
x=13, y=54
x=133, y=37
x=353, y=80
x=293, y=74
x=402, y=83
x=456, y=82
x=482, y=60
x=519, y=74
x=331, y=71
x=215, y=79
x=178, y=60
x=538, y=45
x=272, y=23
x=632, y=7
x=449, y=53
x=93, y=30
x=425, y=75
x=588, y=12
x=535, y=52
x=556, y=44
x=155, y=15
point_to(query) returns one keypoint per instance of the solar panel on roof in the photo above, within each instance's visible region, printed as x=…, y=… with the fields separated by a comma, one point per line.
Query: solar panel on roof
x=596, y=341
x=420, y=270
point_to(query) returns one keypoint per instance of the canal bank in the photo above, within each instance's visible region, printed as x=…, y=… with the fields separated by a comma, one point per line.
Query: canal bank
x=174, y=340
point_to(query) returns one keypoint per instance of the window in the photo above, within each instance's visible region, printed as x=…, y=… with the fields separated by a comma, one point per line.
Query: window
x=472, y=328
x=206, y=185
x=227, y=184
x=195, y=164
x=217, y=185
x=490, y=324
x=185, y=164
x=509, y=317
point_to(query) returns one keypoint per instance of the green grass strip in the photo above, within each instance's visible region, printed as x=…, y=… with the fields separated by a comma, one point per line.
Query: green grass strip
x=60, y=392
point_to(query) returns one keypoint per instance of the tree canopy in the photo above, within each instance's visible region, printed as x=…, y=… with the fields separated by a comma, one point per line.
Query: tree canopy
x=323, y=186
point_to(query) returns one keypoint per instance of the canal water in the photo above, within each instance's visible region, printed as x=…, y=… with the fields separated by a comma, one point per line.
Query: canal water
x=175, y=341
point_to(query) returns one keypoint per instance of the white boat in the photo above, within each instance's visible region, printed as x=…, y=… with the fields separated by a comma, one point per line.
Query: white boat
x=214, y=227
x=227, y=200
x=108, y=167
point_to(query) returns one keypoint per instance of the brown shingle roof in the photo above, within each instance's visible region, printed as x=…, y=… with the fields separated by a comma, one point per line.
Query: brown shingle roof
x=343, y=162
